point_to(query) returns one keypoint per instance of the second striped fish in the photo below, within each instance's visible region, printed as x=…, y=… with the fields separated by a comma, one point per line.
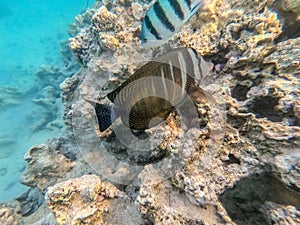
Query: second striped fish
x=165, y=18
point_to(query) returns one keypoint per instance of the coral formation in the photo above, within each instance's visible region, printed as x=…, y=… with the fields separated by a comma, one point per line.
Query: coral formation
x=220, y=173
x=48, y=98
x=8, y=216
x=239, y=38
x=291, y=5
x=254, y=195
x=47, y=165
x=30, y=201
x=88, y=200
x=282, y=215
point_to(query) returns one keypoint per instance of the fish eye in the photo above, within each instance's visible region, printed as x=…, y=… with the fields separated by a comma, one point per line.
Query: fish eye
x=145, y=40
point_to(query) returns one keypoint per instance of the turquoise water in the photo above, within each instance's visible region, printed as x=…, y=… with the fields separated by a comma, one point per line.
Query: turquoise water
x=30, y=37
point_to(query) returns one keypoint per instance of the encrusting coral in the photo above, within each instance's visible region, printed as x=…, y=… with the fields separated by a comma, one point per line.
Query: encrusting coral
x=88, y=200
x=8, y=216
x=47, y=165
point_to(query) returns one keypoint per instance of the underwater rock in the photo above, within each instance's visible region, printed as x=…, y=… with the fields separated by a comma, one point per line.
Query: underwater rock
x=46, y=165
x=261, y=84
x=81, y=21
x=264, y=108
x=48, y=80
x=71, y=66
x=30, y=201
x=8, y=216
x=279, y=214
x=249, y=200
x=48, y=75
x=230, y=27
x=166, y=204
x=9, y=96
x=89, y=200
x=66, y=146
x=41, y=217
x=218, y=165
x=44, y=170
x=46, y=116
x=68, y=87
x=50, y=110
x=289, y=18
x=291, y=5
x=107, y=32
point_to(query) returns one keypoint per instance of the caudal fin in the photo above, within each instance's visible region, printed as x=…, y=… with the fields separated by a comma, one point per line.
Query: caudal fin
x=103, y=113
x=196, y=4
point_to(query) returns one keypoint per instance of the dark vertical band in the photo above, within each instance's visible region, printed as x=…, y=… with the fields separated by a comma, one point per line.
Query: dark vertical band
x=177, y=9
x=152, y=29
x=161, y=15
x=188, y=2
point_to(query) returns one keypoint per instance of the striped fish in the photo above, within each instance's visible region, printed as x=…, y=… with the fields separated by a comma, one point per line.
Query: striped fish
x=165, y=18
x=154, y=90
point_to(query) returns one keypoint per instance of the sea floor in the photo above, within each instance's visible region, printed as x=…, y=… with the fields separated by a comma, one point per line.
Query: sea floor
x=30, y=35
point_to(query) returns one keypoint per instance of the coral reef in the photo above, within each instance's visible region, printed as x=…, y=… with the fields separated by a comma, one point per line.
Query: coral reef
x=48, y=80
x=88, y=200
x=282, y=215
x=47, y=165
x=239, y=38
x=291, y=5
x=241, y=166
x=48, y=98
x=243, y=201
x=8, y=216
x=30, y=201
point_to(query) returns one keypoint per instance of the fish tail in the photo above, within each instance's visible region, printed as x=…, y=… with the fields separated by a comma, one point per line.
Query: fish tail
x=194, y=7
x=103, y=114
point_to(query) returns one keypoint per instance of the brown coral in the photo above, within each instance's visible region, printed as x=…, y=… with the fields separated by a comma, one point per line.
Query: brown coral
x=88, y=200
x=8, y=216
x=46, y=166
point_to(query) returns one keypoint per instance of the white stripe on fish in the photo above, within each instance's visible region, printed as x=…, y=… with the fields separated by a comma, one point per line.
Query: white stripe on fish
x=197, y=73
x=183, y=71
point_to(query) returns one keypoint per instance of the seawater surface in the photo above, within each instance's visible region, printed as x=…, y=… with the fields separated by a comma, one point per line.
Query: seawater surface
x=30, y=37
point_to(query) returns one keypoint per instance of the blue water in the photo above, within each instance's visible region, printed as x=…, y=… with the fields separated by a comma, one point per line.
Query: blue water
x=30, y=36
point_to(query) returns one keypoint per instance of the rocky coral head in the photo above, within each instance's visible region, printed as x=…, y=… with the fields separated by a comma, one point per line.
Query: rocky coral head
x=170, y=166
x=122, y=152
